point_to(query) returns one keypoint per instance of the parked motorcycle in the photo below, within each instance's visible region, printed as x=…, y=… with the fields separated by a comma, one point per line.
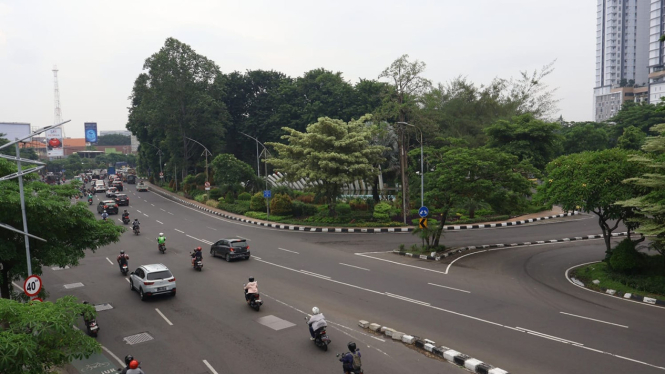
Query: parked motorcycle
x=321, y=338
x=93, y=327
x=254, y=299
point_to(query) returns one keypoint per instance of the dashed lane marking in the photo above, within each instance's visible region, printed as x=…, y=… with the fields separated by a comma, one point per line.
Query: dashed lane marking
x=353, y=266
x=450, y=288
x=179, y=231
x=593, y=319
x=110, y=262
x=213, y=371
x=152, y=204
x=160, y=222
x=211, y=228
x=163, y=316
x=288, y=250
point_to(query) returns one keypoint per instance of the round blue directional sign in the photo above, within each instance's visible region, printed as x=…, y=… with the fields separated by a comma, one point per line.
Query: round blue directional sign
x=423, y=211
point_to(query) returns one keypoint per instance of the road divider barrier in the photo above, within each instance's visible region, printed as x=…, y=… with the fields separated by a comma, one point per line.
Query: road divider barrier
x=344, y=229
x=457, y=358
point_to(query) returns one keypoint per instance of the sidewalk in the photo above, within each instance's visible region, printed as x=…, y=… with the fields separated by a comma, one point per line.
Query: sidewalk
x=96, y=364
x=554, y=213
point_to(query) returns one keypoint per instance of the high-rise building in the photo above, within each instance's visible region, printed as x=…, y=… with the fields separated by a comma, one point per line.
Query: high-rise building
x=656, y=58
x=622, y=51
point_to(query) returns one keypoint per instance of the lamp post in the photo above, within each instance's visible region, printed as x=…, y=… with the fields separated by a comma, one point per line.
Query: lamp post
x=20, y=174
x=258, y=167
x=159, y=152
x=422, y=174
x=207, y=152
x=266, y=168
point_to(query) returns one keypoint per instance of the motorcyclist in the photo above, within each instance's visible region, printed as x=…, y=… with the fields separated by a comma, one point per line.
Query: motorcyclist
x=351, y=363
x=105, y=215
x=136, y=224
x=197, y=255
x=161, y=239
x=125, y=214
x=128, y=359
x=123, y=259
x=134, y=368
x=251, y=288
x=315, y=322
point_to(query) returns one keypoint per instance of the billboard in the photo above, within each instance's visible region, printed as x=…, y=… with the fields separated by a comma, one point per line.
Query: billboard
x=90, y=132
x=14, y=130
x=54, y=142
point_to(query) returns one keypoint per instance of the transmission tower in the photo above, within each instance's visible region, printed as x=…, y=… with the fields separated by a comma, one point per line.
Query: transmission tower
x=57, y=114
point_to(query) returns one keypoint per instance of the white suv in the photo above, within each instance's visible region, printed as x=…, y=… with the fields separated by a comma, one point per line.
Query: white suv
x=152, y=280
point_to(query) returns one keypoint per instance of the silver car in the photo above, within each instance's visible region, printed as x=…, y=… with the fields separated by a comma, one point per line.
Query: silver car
x=150, y=280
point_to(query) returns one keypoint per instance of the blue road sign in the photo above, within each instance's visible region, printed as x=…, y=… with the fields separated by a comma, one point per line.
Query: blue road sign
x=423, y=211
x=267, y=194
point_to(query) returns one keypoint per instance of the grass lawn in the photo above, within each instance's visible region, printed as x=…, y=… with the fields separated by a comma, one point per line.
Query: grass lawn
x=640, y=285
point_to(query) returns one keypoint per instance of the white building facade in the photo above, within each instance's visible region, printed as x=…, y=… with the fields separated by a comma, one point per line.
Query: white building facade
x=656, y=60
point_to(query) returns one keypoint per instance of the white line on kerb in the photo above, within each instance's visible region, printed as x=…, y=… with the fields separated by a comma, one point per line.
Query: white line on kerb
x=179, y=231
x=160, y=222
x=163, y=316
x=352, y=266
x=450, y=288
x=110, y=262
x=592, y=319
x=287, y=250
x=213, y=371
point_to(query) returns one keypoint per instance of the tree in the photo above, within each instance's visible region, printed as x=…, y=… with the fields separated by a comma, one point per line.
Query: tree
x=330, y=154
x=462, y=174
x=641, y=115
x=527, y=138
x=114, y=139
x=584, y=136
x=228, y=170
x=69, y=228
x=649, y=205
x=632, y=138
x=532, y=95
x=36, y=337
x=592, y=181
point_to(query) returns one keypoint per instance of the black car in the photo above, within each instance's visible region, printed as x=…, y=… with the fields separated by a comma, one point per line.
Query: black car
x=117, y=183
x=230, y=249
x=131, y=179
x=122, y=199
x=107, y=205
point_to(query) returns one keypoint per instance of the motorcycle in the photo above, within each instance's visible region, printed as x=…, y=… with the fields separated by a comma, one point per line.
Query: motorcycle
x=124, y=268
x=125, y=220
x=321, y=338
x=89, y=201
x=162, y=248
x=198, y=264
x=254, y=300
x=93, y=327
x=137, y=230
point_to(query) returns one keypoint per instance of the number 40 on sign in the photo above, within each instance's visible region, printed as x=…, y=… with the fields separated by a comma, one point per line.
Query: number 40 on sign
x=32, y=285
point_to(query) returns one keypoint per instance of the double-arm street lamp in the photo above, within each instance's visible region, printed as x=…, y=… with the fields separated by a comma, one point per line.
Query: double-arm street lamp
x=422, y=174
x=207, y=152
x=257, y=165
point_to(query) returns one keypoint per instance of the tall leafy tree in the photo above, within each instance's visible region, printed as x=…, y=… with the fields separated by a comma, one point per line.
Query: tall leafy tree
x=632, y=138
x=584, y=136
x=330, y=154
x=641, y=115
x=228, y=170
x=70, y=229
x=592, y=181
x=38, y=337
x=179, y=96
x=527, y=138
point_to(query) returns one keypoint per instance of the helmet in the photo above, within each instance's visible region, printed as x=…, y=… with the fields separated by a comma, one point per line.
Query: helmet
x=122, y=251
x=316, y=310
x=136, y=219
x=85, y=302
x=161, y=234
x=125, y=210
x=251, y=279
x=198, y=248
x=133, y=364
x=128, y=359
x=104, y=210
x=351, y=346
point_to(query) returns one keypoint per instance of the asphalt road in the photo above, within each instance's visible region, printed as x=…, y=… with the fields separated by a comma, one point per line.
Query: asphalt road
x=512, y=308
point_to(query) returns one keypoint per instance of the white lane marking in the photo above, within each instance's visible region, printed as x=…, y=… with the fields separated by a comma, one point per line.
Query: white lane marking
x=533, y=333
x=352, y=266
x=593, y=319
x=127, y=279
x=399, y=263
x=110, y=262
x=145, y=200
x=450, y=288
x=119, y=220
x=163, y=316
x=139, y=211
x=287, y=250
x=113, y=355
x=211, y=228
x=460, y=257
x=201, y=240
x=170, y=213
x=160, y=222
x=238, y=236
x=162, y=210
x=146, y=215
x=407, y=299
x=255, y=257
x=315, y=274
x=152, y=204
x=213, y=371
x=179, y=231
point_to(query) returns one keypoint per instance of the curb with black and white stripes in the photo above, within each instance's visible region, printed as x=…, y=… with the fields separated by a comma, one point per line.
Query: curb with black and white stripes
x=450, y=355
x=355, y=230
x=433, y=256
x=615, y=293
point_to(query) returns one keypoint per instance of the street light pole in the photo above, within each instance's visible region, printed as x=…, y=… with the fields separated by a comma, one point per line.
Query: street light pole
x=258, y=167
x=266, y=168
x=422, y=174
x=207, y=152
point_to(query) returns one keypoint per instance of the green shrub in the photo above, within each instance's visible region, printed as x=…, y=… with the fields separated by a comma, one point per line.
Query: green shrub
x=281, y=205
x=196, y=192
x=212, y=203
x=239, y=208
x=382, y=211
x=257, y=203
x=264, y=216
x=245, y=196
x=215, y=194
x=343, y=209
x=201, y=198
x=189, y=180
x=625, y=259
x=229, y=198
x=300, y=209
x=282, y=190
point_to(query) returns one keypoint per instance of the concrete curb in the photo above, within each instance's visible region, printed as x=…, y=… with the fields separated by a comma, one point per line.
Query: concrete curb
x=471, y=364
x=487, y=246
x=364, y=230
x=610, y=292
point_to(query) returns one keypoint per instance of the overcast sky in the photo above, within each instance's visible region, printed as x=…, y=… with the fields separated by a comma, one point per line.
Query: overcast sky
x=100, y=46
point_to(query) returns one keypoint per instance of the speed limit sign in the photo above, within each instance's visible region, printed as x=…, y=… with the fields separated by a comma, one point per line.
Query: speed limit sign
x=32, y=285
